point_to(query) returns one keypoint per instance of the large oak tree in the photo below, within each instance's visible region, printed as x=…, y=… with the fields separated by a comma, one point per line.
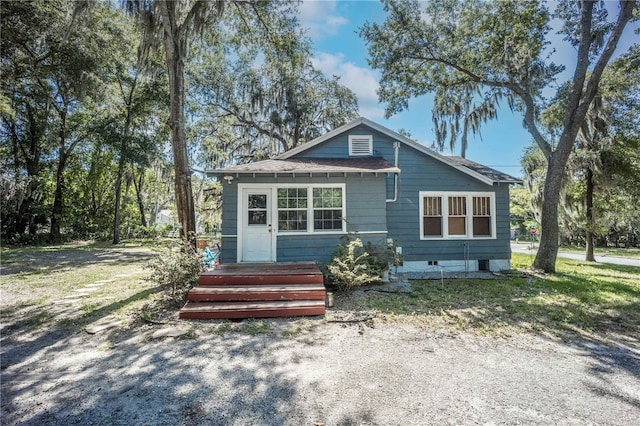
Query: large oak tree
x=475, y=53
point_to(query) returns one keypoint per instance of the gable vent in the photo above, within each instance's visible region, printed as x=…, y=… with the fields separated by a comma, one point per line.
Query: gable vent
x=360, y=145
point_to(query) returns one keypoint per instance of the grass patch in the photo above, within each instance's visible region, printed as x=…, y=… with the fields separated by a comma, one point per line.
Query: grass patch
x=222, y=329
x=106, y=279
x=630, y=253
x=189, y=335
x=296, y=329
x=255, y=327
x=580, y=298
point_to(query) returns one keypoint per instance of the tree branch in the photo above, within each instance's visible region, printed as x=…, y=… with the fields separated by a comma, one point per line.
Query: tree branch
x=580, y=72
x=473, y=76
x=252, y=123
x=626, y=13
x=530, y=122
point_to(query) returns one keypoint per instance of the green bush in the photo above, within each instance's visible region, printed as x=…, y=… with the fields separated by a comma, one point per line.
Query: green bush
x=177, y=271
x=355, y=264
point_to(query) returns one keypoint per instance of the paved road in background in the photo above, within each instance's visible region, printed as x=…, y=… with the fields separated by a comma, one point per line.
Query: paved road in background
x=526, y=248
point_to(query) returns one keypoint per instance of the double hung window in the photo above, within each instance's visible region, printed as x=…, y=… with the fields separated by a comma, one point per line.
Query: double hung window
x=327, y=209
x=457, y=215
x=482, y=216
x=311, y=209
x=292, y=209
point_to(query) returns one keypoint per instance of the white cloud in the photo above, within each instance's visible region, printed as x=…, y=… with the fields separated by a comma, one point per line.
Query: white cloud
x=362, y=81
x=320, y=18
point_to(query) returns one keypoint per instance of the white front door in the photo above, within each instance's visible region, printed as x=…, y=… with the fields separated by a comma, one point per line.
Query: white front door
x=257, y=235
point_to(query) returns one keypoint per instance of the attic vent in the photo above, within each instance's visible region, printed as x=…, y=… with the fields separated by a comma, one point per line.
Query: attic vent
x=360, y=145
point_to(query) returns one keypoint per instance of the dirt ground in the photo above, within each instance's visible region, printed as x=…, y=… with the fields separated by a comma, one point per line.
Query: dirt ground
x=313, y=372
x=342, y=369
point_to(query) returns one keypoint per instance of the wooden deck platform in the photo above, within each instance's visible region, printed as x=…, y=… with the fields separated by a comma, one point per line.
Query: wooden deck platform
x=257, y=290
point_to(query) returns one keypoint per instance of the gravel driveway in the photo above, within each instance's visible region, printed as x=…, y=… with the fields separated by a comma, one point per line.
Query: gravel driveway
x=314, y=372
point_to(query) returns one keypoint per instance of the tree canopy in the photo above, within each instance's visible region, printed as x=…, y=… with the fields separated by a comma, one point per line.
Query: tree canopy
x=96, y=142
x=475, y=54
x=600, y=195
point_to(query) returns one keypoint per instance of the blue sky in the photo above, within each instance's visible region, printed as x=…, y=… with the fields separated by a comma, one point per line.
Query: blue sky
x=333, y=26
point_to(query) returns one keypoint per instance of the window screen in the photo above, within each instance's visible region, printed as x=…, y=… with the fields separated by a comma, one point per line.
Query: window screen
x=481, y=216
x=457, y=215
x=432, y=219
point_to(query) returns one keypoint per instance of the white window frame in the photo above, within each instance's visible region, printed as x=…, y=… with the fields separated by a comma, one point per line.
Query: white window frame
x=310, y=222
x=469, y=215
x=361, y=139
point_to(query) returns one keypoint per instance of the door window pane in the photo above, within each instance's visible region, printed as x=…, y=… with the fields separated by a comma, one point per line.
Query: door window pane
x=257, y=209
x=257, y=217
x=257, y=201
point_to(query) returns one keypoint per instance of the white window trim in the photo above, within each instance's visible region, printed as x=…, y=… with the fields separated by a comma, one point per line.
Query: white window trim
x=309, y=187
x=368, y=138
x=469, y=218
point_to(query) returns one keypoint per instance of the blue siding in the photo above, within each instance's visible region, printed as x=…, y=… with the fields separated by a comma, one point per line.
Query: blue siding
x=229, y=240
x=423, y=173
x=338, y=147
x=365, y=213
x=368, y=212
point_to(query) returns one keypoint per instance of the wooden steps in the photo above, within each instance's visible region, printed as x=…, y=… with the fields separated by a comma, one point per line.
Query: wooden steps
x=234, y=291
x=235, y=310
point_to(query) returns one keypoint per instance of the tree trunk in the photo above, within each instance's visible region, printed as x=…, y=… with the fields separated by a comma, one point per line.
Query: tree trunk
x=175, y=47
x=138, y=185
x=548, y=250
x=589, y=255
x=117, y=215
x=123, y=157
x=57, y=211
x=579, y=100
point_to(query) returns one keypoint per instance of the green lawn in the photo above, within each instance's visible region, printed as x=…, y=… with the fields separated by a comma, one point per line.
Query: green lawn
x=630, y=253
x=580, y=298
x=35, y=280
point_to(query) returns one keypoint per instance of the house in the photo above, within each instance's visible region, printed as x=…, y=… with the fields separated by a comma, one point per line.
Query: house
x=440, y=212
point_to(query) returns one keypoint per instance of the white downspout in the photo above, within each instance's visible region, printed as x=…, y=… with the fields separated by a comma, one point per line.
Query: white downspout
x=396, y=149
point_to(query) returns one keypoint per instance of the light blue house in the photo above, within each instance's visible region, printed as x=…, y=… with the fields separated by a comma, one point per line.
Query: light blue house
x=442, y=213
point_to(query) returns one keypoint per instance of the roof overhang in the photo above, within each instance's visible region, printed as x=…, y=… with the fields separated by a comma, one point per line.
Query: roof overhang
x=308, y=166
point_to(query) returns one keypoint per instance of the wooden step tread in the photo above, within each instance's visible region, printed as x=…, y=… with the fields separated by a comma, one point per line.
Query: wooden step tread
x=267, y=309
x=270, y=304
x=252, y=292
x=261, y=269
x=248, y=288
x=275, y=279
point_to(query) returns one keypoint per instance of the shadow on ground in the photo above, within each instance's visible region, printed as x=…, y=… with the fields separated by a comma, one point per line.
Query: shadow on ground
x=128, y=378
